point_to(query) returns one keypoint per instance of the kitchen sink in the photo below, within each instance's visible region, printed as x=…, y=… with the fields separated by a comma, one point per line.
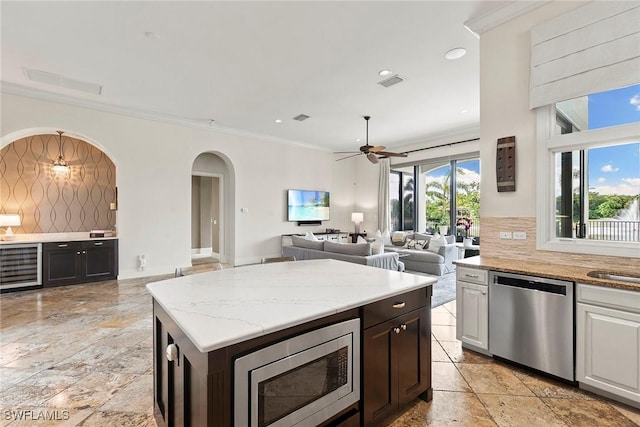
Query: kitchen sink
x=619, y=277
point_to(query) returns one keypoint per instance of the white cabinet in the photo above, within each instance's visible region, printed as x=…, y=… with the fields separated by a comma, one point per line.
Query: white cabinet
x=608, y=340
x=472, y=308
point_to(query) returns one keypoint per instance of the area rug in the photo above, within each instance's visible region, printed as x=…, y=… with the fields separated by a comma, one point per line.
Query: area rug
x=444, y=290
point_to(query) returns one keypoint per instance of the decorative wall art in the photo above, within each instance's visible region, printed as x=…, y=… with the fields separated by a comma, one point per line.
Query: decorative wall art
x=506, y=164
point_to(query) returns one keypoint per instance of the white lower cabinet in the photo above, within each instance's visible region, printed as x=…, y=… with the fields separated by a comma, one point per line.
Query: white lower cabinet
x=608, y=340
x=472, y=308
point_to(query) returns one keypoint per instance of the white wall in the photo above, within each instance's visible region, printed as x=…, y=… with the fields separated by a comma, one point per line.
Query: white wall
x=504, y=110
x=154, y=162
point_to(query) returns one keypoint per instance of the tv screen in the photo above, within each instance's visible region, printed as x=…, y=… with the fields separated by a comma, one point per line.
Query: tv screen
x=307, y=205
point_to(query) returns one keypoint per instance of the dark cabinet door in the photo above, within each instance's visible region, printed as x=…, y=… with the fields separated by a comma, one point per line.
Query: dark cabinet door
x=414, y=355
x=99, y=260
x=380, y=391
x=61, y=263
x=396, y=364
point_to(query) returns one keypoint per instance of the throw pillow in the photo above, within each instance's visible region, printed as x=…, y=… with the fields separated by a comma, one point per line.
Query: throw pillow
x=358, y=249
x=435, y=243
x=386, y=239
x=361, y=240
x=377, y=248
x=398, y=238
x=310, y=236
x=301, y=242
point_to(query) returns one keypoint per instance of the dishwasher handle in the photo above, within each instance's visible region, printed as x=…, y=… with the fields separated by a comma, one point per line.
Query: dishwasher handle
x=530, y=284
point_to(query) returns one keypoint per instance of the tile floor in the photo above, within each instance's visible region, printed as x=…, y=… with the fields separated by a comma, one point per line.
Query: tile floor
x=82, y=355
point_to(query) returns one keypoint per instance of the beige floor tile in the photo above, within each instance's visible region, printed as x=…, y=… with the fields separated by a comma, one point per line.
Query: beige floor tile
x=37, y=389
x=91, y=391
x=437, y=353
x=136, y=397
x=117, y=419
x=519, y=411
x=588, y=413
x=493, y=378
x=460, y=355
x=446, y=409
x=444, y=332
x=443, y=318
x=451, y=307
x=632, y=413
x=445, y=377
x=11, y=376
x=547, y=387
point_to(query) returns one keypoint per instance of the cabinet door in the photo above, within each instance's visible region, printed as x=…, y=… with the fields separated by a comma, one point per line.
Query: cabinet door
x=379, y=391
x=61, y=263
x=99, y=260
x=414, y=354
x=472, y=326
x=608, y=350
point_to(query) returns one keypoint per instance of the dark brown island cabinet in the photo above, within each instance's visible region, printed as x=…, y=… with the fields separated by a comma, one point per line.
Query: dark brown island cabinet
x=72, y=262
x=196, y=389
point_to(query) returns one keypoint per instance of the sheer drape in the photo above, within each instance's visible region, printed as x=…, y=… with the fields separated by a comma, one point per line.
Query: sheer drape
x=384, y=214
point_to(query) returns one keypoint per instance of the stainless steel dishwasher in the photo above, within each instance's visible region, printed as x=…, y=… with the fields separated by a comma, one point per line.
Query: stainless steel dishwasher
x=531, y=322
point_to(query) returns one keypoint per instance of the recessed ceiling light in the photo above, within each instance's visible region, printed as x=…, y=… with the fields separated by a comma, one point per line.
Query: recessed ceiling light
x=384, y=73
x=152, y=35
x=212, y=122
x=278, y=121
x=357, y=139
x=464, y=111
x=456, y=53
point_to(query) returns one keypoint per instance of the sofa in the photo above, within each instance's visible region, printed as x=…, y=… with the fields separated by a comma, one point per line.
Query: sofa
x=417, y=255
x=359, y=253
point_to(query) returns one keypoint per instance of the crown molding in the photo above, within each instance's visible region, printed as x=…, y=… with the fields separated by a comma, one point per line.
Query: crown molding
x=16, y=89
x=500, y=15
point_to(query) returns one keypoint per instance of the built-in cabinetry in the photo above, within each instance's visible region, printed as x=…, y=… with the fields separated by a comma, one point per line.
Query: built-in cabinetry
x=472, y=305
x=396, y=354
x=71, y=262
x=608, y=341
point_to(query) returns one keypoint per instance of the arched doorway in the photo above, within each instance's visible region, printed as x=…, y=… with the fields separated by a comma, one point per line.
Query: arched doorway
x=211, y=209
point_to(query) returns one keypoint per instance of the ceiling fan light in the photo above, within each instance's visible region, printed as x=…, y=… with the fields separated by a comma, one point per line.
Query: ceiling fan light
x=372, y=158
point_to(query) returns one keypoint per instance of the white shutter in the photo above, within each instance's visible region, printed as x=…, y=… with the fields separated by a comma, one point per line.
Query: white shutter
x=590, y=49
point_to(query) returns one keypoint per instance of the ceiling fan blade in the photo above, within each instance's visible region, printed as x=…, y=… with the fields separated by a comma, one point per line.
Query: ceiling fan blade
x=372, y=158
x=377, y=148
x=346, y=152
x=348, y=157
x=388, y=154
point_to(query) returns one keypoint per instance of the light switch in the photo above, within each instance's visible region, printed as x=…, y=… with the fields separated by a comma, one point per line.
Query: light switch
x=519, y=235
x=244, y=210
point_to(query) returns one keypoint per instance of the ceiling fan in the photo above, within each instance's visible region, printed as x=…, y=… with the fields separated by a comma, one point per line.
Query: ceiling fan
x=373, y=153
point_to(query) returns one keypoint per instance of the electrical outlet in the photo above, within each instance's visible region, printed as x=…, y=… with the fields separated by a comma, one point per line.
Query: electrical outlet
x=244, y=210
x=520, y=235
x=506, y=235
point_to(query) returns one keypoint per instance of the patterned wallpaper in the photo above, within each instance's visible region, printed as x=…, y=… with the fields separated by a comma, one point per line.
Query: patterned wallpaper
x=50, y=203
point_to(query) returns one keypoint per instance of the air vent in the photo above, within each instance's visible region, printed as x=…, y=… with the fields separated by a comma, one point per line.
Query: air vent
x=58, y=80
x=301, y=117
x=395, y=79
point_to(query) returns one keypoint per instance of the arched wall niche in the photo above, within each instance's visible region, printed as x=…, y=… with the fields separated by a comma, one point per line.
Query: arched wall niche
x=216, y=164
x=81, y=201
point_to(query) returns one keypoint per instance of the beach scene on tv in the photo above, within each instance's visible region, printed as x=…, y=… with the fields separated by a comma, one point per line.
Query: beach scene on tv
x=305, y=205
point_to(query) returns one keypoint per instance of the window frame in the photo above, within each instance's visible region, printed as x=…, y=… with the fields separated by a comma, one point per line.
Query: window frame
x=548, y=144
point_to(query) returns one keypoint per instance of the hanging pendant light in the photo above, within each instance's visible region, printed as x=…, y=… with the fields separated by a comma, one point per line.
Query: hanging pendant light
x=60, y=166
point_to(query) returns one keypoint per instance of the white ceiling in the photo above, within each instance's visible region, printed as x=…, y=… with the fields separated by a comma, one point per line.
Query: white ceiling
x=246, y=64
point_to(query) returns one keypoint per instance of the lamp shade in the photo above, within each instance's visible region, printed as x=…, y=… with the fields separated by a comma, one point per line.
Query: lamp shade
x=9, y=220
x=357, y=217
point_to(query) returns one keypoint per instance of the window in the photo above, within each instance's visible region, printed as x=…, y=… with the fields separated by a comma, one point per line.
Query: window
x=589, y=174
x=463, y=199
x=401, y=197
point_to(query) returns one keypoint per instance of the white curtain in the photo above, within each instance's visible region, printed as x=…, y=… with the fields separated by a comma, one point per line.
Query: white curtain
x=591, y=49
x=384, y=214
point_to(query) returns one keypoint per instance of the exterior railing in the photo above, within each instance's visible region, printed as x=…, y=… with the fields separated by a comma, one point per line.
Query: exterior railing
x=621, y=231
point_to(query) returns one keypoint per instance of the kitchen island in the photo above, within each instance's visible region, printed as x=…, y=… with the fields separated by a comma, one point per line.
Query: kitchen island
x=206, y=325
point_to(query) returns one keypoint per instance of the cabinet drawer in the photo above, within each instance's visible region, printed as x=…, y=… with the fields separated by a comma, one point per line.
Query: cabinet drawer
x=54, y=246
x=473, y=275
x=389, y=308
x=87, y=244
x=609, y=297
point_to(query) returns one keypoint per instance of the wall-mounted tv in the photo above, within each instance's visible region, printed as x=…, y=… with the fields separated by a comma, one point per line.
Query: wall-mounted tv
x=307, y=205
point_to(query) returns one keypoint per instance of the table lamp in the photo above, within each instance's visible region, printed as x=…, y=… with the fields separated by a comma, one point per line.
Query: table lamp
x=9, y=220
x=357, y=218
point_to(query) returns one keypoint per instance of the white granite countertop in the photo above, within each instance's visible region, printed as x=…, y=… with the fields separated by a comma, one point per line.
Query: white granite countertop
x=220, y=308
x=52, y=237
